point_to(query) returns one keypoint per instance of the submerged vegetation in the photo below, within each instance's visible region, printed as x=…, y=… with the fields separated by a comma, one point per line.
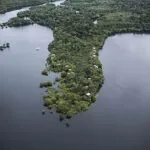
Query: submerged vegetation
x=45, y=84
x=80, y=29
x=4, y=46
x=3, y=25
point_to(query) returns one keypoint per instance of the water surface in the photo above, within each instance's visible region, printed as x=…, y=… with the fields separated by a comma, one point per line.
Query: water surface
x=119, y=120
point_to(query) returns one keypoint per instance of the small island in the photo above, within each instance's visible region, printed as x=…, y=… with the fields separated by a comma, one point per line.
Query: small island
x=3, y=25
x=4, y=46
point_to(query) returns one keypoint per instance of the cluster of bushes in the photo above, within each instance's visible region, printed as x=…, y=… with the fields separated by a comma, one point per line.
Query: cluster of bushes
x=16, y=22
x=4, y=46
x=8, y=5
x=45, y=84
x=3, y=25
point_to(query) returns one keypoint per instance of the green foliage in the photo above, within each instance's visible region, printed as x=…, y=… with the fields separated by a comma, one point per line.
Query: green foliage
x=4, y=46
x=45, y=84
x=8, y=5
x=44, y=72
x=57, y=79
x=16, y=22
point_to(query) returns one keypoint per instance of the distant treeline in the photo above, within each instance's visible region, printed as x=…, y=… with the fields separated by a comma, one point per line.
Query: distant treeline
x=8, y=5
x=4, y=46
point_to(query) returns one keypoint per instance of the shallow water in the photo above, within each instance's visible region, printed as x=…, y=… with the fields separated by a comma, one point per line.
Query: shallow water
x=119, y=120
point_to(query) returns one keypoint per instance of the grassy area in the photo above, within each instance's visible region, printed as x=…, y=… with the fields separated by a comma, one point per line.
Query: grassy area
x=80, y=29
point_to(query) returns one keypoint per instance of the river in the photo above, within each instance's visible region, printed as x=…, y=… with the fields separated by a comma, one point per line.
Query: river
x=5, y=17
x=118, y=120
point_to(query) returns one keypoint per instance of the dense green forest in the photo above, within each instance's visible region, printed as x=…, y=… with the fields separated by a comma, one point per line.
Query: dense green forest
x=80, y=29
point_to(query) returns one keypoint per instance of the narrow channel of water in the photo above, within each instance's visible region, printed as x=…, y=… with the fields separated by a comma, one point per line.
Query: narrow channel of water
x=5, y=17
x=118, y=120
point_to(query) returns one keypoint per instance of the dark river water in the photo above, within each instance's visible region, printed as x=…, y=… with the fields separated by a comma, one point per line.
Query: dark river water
x=119, y=119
